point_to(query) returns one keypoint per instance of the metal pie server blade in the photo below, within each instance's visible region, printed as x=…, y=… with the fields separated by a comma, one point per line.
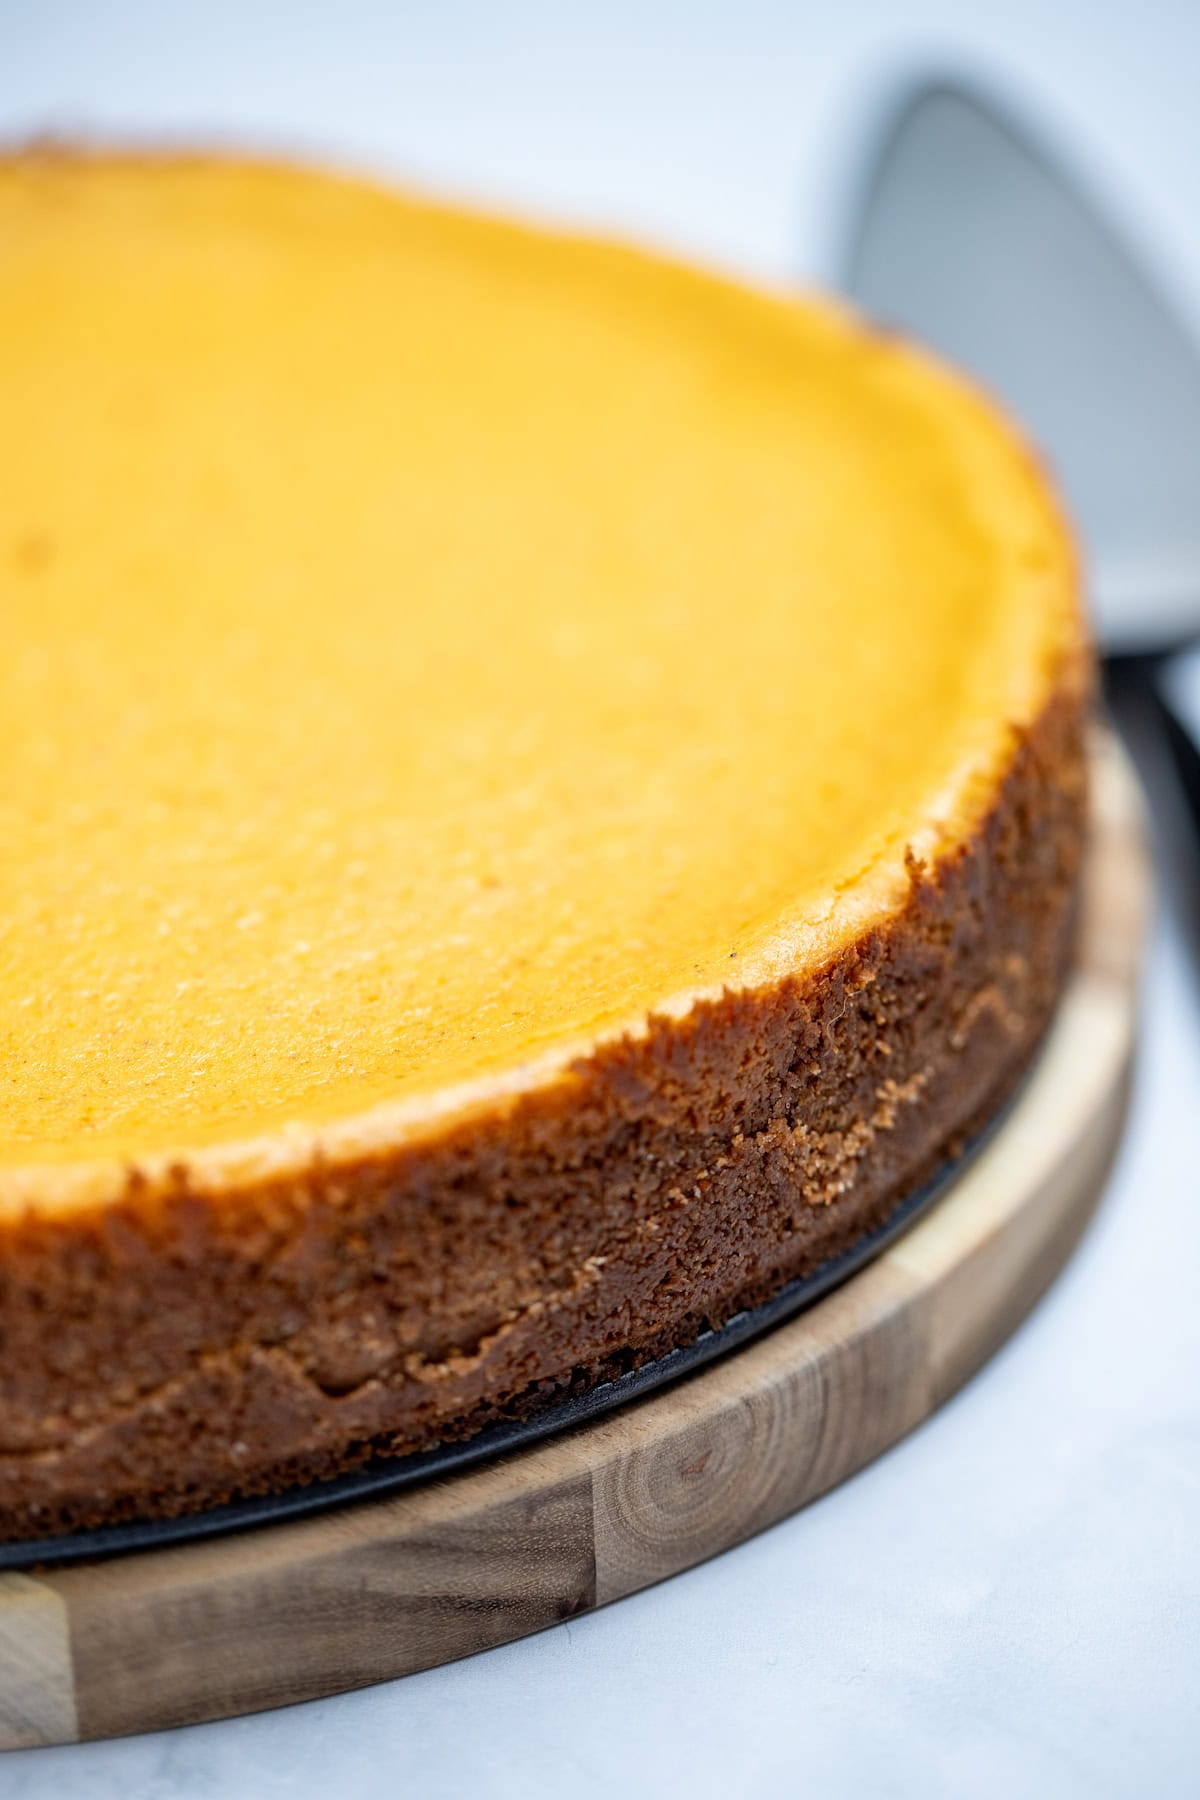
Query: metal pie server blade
x=971, y=237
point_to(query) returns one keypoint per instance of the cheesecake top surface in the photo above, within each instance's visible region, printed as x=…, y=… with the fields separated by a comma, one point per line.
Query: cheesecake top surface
x=429, y=644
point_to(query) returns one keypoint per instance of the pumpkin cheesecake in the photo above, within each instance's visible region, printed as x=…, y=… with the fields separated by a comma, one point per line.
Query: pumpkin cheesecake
x=541, y=792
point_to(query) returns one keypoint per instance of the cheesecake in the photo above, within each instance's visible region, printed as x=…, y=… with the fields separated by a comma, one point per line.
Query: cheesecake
x=541, y=794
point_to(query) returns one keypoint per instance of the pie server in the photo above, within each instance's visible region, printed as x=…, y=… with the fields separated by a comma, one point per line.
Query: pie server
x=971, y=236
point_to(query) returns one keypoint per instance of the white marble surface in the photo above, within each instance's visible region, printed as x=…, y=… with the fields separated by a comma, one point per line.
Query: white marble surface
x=1009, y=1602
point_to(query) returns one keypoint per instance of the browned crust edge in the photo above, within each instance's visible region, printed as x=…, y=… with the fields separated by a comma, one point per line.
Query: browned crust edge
x=167, y=1352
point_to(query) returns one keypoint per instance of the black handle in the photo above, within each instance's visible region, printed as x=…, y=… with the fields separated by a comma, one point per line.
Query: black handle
x=1168, y=755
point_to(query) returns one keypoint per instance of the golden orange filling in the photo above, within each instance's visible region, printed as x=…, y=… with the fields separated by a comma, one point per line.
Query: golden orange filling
x=426, y=644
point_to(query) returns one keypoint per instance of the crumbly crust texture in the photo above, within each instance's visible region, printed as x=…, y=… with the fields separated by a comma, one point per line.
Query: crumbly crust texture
x=173, y=1350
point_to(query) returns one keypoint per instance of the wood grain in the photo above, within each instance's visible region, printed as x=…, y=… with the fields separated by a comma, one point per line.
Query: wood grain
x=37, y=1688
x=294, y=1611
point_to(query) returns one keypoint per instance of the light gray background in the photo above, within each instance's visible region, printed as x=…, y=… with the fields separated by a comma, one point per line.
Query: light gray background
x=1009, y=1602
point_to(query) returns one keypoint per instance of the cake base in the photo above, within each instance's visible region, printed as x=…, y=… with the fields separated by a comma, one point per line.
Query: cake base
x=387, y=1476
x=291, y=1611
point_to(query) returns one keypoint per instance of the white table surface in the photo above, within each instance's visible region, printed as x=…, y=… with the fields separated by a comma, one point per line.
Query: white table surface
x=1009, y=1602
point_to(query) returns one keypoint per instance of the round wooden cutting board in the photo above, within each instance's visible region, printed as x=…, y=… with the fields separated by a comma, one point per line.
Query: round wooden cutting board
x=293, y=1611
